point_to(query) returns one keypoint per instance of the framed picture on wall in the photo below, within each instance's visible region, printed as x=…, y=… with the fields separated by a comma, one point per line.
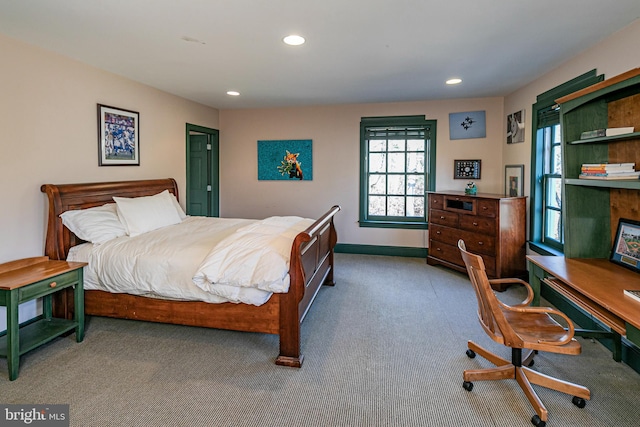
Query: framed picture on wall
x=513, y=180
x=118, y=137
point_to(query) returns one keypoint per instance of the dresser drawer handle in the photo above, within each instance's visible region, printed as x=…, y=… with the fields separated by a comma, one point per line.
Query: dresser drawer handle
x=441, y=217
x=437, y=232
x=481, y=243
x=484, y=208
x=53, y=284
x=475, y=224
x=438, y=249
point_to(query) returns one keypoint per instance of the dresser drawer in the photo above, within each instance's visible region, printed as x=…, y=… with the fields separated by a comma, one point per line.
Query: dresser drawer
x=475, y=242
x=47, y=286
x=451, y=254
x=449, y=219
x=487, y=208
x=436, y=201
x=478, y=224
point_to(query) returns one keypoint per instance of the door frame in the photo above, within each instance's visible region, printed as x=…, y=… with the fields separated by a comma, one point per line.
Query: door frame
x=214, y=162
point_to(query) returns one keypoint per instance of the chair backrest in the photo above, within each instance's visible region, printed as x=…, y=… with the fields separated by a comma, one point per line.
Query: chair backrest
x=490, y=314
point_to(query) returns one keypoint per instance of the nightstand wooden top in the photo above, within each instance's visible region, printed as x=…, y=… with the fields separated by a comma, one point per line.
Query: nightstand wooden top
x=18, y=273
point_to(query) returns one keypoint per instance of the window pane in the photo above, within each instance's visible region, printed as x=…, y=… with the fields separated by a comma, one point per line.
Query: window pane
x=554, y=193
x=415, y=162
x=553, y=228
x=377, y=145
x=396, y=145
x=557, y=160
x=396, y=184
x=415, y=145
x=377, y=184
x=395, y=206
x=377, y=162
x=415, y=206
x=376, y=205
x=396, y=162
x=415, y=185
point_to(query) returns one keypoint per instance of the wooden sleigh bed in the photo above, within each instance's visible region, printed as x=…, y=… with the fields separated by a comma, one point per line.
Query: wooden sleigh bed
x=311, y=266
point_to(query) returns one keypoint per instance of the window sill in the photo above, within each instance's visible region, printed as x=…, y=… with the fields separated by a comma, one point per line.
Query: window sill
x=394, y=224
x=542, y=249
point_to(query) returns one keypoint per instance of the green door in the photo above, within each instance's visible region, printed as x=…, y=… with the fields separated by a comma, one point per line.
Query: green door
x=202, y=171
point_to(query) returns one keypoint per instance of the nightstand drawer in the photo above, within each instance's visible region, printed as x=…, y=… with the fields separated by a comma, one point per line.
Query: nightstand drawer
x=47, y=286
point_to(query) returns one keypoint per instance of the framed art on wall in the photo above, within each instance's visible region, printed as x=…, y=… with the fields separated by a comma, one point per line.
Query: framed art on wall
x=289, y=159
x=466, y=169
x=515, y=127
x=513, y=180
x=471, y=124
x=118, y=137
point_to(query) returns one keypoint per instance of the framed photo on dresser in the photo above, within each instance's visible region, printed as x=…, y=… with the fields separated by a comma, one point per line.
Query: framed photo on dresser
x=626, y=245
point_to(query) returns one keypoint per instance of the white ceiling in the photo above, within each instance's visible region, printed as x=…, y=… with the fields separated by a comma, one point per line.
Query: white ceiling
x=357, y=51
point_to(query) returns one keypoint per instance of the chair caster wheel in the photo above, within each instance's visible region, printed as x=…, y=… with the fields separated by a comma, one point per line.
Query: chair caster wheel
x=467, y=385
x=536, y=421
x=471, y=354
x=578, y=401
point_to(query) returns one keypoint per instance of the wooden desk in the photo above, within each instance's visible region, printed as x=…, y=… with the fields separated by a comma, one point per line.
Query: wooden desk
x=596, y=286
x=28, y=279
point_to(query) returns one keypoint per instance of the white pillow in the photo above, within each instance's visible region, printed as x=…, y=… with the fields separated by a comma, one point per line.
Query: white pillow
x=96, y=225
x=147, y=213
x=178, y=207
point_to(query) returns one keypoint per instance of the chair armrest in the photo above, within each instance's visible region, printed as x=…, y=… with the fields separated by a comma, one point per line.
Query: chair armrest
x=513, y=280
x=550, y=311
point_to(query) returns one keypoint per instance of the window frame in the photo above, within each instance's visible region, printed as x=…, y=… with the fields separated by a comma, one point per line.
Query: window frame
x=546, y=102
x=366, y=220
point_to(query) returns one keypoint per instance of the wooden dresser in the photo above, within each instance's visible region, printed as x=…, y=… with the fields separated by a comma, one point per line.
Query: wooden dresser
x=491, y=225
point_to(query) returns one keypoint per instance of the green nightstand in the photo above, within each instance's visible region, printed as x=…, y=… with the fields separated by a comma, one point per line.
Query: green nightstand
x=25, y=280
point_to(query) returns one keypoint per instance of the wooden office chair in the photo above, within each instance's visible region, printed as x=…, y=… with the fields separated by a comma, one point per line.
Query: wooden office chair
x=519, y=327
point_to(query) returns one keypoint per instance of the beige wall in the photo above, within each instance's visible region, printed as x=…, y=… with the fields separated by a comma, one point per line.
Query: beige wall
x=614, y=55
x=48, y=134
x=48, y=122
x=335, y=131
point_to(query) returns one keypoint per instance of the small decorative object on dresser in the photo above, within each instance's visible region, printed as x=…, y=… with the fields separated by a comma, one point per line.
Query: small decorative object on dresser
x=491, y=225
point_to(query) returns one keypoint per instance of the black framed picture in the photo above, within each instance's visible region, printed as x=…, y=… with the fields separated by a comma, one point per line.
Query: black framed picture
x=626, y=245
x=466, y=169
x=118, y=137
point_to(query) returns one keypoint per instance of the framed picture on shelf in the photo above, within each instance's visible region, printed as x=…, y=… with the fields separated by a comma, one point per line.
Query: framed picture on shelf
x=466, y=169
x=513, y=180
x=626, y=245
x=118, y=137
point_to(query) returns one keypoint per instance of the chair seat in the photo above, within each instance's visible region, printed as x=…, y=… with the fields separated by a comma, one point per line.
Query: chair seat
x=536, y=328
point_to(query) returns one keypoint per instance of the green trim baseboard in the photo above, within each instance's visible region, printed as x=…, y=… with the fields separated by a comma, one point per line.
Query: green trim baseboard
x=402, y=251
x=630, y=352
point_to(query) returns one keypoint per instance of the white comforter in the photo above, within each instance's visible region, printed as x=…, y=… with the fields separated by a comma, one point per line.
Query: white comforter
x=201, y=259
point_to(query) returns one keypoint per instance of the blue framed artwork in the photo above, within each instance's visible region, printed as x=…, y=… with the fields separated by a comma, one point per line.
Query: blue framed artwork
x=285, y=160
x=471, y=124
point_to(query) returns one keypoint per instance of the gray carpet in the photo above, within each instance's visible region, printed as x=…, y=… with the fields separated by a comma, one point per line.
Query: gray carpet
x=384, y=347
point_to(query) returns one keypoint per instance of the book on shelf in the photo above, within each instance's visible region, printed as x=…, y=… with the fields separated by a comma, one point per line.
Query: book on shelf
x=608, y=165
x=610, y=176
x=607, y=170
x=632, y=293
x=597, y=133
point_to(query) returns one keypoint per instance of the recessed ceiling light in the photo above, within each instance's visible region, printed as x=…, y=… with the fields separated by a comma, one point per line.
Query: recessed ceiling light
x=454, y=81
x=233, y=93
x=294, y=40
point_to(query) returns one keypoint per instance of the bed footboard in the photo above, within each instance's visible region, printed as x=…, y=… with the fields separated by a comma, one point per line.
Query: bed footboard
x=311, y=266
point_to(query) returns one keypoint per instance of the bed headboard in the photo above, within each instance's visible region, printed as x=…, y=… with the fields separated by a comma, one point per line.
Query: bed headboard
x=81, y=196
